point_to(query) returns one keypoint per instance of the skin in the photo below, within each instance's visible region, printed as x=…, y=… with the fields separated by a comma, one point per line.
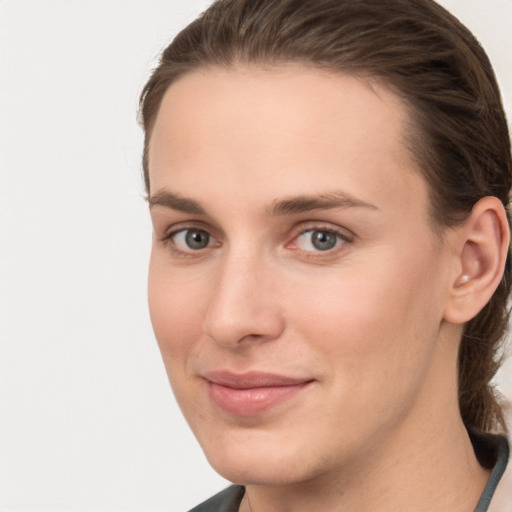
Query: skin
x=372, y=323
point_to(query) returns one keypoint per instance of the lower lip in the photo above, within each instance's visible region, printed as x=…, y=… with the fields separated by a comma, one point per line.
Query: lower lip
x=252, y=401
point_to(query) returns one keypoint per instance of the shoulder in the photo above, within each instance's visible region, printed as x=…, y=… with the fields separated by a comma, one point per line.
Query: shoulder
x=227, y=500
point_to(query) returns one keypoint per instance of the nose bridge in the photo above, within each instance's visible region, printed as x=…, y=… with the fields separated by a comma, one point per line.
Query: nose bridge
x=241, y=307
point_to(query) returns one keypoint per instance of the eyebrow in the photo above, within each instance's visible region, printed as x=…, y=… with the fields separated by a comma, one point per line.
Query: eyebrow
x=176, y=202
x=307, y=203
x=291, y=206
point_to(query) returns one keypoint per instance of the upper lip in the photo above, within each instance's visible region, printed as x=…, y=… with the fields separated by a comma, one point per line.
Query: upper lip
x=252, y=379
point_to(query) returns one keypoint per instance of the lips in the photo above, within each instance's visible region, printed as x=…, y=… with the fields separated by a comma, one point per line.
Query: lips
x=252, y=393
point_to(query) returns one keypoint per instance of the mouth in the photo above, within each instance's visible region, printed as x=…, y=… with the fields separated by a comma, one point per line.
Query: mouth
x=252, y=393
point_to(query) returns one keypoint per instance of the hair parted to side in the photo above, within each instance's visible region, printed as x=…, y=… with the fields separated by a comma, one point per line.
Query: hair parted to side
x=458, y=134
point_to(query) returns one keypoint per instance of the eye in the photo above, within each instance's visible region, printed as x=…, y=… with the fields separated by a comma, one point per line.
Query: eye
x=318, y=240
x=192, y=239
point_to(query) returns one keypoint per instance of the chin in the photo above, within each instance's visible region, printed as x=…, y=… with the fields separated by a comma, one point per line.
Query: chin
x=259, y=472
x=253, y=461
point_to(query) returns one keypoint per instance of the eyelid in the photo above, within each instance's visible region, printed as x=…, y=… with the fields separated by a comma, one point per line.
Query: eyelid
x=313, y=225
x=174, y=228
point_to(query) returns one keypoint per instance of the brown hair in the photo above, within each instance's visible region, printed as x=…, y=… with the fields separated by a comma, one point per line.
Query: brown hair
x=459, y=136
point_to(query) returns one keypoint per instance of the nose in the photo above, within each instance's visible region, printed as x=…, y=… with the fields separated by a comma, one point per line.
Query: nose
x=243, y=307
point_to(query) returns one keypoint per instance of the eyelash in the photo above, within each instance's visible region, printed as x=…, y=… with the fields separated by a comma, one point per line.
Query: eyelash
x=342, y=238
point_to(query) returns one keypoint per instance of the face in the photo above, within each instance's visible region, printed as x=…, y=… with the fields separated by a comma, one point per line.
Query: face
x=296, y=286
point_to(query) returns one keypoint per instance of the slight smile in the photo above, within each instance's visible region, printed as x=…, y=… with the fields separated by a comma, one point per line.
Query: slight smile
x=252, y=393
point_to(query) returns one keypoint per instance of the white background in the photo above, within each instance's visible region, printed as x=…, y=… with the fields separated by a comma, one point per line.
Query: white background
x=87, y=420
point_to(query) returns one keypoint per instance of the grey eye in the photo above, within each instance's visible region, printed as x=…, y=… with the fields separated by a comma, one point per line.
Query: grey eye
x=323, y=240
x=318, y=240
x=192, y=239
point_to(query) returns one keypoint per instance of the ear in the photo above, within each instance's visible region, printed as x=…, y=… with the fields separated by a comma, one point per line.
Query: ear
x=481, y=256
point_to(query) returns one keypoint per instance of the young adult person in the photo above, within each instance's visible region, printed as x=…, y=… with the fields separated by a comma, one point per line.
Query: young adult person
x=328, y=183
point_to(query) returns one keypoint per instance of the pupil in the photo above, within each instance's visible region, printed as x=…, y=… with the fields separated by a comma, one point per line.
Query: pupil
x=323, y=241
x=197, y=239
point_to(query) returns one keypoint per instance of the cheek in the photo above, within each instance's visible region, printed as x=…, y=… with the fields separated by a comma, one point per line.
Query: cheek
x=177, y=307
x=372, y=319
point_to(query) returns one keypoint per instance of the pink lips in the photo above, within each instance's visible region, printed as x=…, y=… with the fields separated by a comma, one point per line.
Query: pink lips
x=251, y=393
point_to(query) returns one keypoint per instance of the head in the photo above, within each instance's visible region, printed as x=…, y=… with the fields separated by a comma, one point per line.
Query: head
x=424, y=65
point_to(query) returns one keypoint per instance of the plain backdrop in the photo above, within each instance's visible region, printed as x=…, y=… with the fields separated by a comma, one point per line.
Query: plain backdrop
x=87, y=419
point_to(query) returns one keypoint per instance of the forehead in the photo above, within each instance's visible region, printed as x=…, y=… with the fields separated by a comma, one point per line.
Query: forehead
x=289, y=129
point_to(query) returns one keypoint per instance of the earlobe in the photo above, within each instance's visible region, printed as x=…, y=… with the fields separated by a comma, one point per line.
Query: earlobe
x=482, y=254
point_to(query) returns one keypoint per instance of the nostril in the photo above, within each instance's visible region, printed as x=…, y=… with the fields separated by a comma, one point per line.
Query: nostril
x=243, y=326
